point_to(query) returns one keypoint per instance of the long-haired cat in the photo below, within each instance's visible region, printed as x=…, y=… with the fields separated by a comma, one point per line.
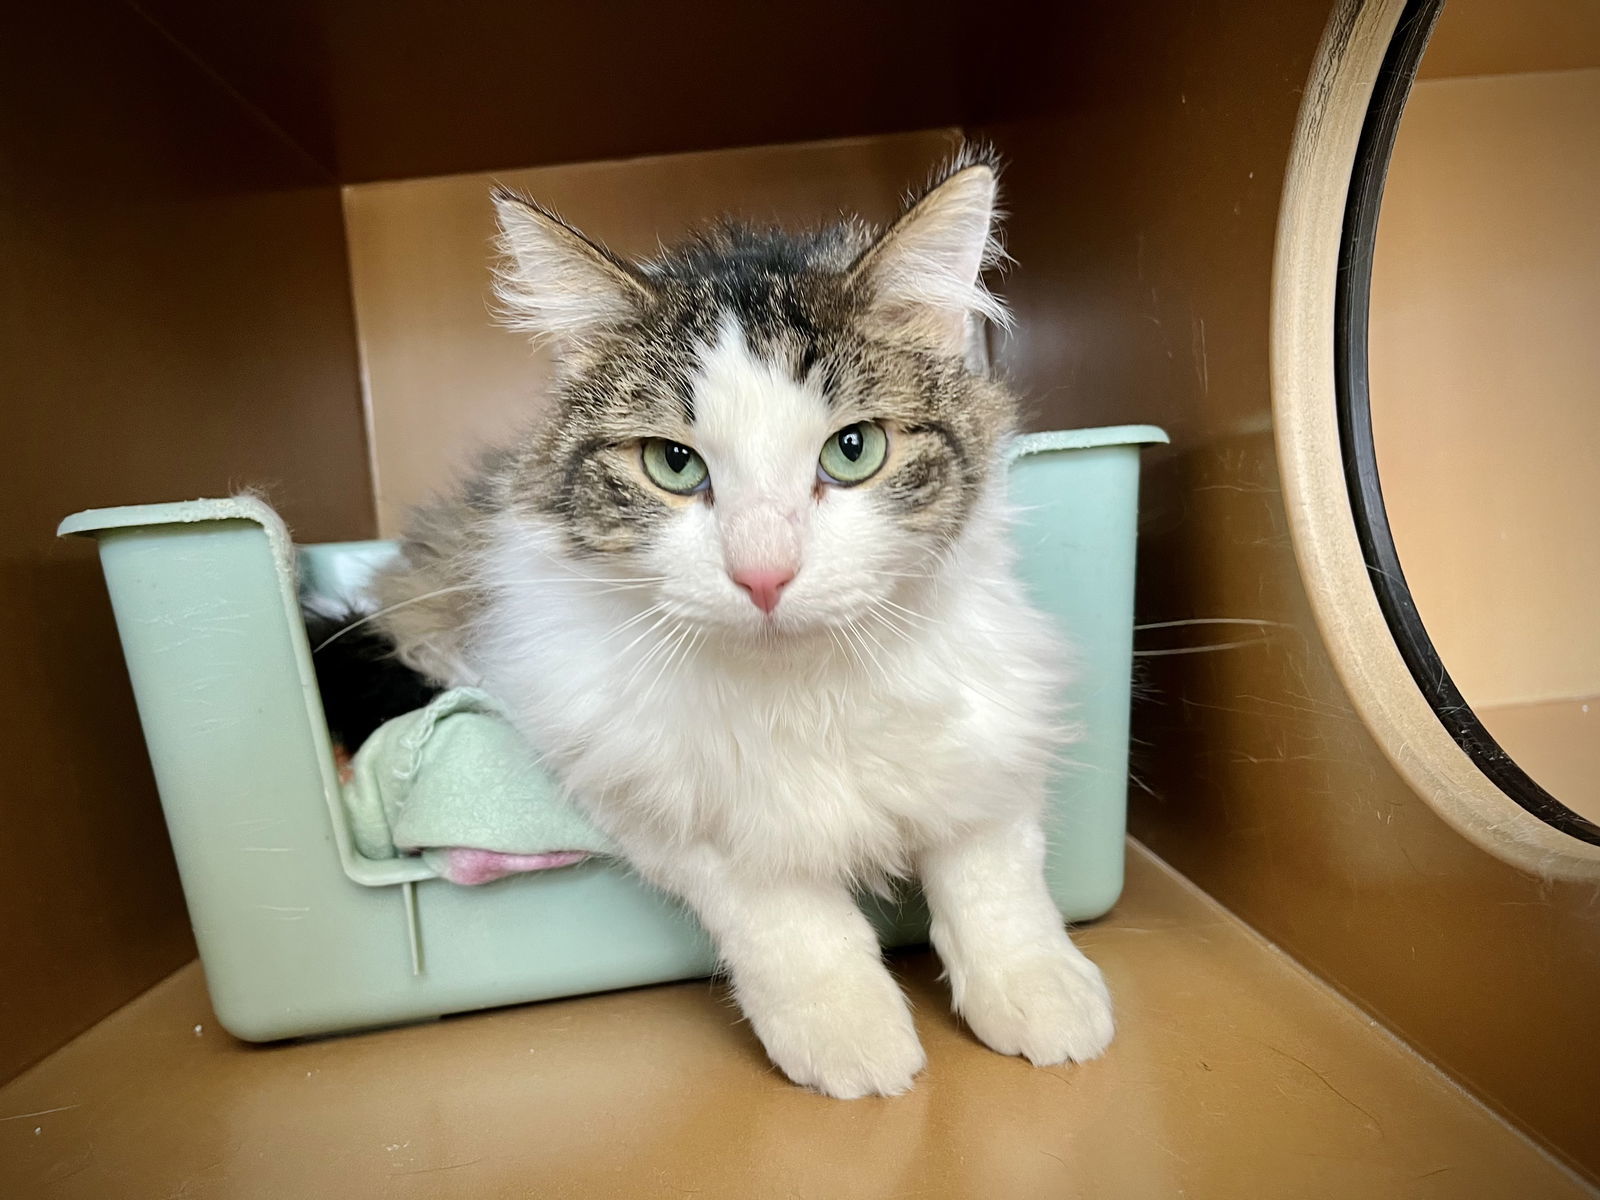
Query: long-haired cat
x=748, y=590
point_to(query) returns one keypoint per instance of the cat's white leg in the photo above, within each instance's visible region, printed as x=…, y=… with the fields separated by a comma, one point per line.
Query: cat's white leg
x=808, y=973
x=1017, y=979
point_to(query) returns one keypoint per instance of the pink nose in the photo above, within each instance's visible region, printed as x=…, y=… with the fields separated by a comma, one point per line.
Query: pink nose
x=763, y=584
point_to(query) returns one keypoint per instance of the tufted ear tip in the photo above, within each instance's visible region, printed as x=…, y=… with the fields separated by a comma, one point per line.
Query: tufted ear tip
x=926, y=272
x=554, y=282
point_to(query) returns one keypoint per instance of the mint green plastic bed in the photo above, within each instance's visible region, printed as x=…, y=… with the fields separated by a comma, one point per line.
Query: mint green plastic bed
x=300, y=935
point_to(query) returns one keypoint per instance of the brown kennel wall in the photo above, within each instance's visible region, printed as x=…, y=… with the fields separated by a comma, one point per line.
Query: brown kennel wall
x=176, y=323
x=1145, y=216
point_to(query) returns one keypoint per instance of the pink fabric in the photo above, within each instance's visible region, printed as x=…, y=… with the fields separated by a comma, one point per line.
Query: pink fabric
x=470, y=867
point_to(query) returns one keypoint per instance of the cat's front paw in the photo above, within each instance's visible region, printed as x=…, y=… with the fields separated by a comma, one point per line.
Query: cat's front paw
x=846, y=1045
x=1050, y=1009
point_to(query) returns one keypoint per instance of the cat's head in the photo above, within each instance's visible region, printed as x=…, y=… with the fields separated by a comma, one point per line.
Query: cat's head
x=777, y=428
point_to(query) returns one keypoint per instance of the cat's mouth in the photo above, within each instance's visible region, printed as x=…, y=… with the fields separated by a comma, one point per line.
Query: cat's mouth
x=856, y=634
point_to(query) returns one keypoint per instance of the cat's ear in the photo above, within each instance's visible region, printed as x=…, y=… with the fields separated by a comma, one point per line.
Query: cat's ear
x=926, y=273
x=554, y=282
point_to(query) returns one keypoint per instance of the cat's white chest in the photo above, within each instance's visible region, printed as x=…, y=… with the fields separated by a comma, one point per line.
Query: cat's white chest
x=840, y=768
x=821, y=759
x=838, y=773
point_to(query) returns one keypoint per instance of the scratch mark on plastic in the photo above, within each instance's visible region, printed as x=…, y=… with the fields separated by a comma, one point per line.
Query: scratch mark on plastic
x=284, y=912
x=43, y=1112
x=1323, y=1079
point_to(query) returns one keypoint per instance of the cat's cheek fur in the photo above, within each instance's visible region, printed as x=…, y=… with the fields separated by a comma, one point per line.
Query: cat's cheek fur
x=685, y=555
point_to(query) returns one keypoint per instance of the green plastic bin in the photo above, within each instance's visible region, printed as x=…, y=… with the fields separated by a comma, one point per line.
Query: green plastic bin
x=299, y=934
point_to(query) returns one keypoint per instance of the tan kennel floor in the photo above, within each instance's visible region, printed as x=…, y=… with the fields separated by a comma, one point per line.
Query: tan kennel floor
x=1234, y=1075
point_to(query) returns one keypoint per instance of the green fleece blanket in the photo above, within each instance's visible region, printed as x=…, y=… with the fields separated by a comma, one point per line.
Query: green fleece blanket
x=457, y=783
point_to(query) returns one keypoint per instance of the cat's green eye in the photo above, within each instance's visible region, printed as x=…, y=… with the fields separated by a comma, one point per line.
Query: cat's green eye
x=854, y=454
x=674, y=467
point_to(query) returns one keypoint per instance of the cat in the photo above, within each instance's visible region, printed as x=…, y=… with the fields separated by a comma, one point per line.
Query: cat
x=749, y=592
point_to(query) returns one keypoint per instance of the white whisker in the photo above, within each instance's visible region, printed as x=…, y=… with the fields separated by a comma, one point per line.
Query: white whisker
x=655, y=651
x=1200, y=649
x=627, y=580
x=909, y=612
x=1210, y=621
x=895, y=624
x=843, y=648
x=867, y=631
x=678, y=642
x=688, y=655
x=632, y=621
x=614, y=585
x=383, y=612
x=659, y=622
x=854, y=628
